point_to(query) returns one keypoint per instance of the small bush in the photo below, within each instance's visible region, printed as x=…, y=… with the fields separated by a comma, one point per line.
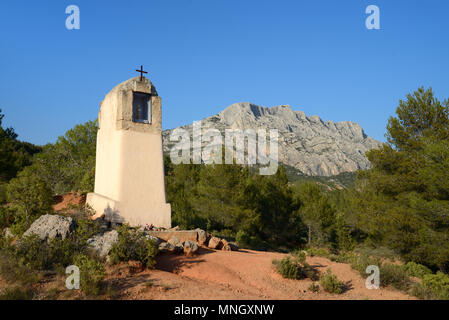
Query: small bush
x=320, y=252
x=300, y=255
x=91, y=274
x=331, y=283
x=419, y=291
x=437, y=284
x=16, y=293
x=30, y=198
x=416, y=270
x=6, y=217
x=246, y=240
x=33, y=253
x=85, y=227
x=314, y=287
x=294, y=268
x=361, y=262
x=394, y=275
x=132, y=245
x=12, y=271
x=289, y=268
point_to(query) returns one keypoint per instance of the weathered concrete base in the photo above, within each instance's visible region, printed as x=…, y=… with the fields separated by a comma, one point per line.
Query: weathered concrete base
x=136, y=215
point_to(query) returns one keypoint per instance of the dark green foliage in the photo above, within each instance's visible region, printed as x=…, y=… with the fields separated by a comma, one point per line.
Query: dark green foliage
x=36, y=254
x=29, y=197
x=258, y=211
x=6, y=217
x=69, y=164
x=318, y=213
x=16, y=293
x=295, y=267
x=91, y=274
x=394, y=275
x=15, y=155
x=437, y=284
x=416, y=270
x=402, y=203
x=330, y=283
x=133, y=245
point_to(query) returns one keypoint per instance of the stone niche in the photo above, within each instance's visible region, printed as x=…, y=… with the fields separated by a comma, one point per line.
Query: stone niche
x=129, y=176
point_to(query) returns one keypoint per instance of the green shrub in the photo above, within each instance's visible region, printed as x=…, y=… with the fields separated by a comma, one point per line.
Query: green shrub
x=438, y=284
x=132, y=245
x=36, y=254
x=314, y=287
x=85, y=226
x=300, y=255
x=6, y=217
x=29, y=198
x=289, y=268
x=91, y=274
x=320, y=252
x=331, y=283
x=394, y=275
x=3, y=197
x=33, y=253
x=295, y=268
x=416, y=270
x=246, y=240
x=12, y=271
x=16, y=293
x=361, y=262
x=419, y=291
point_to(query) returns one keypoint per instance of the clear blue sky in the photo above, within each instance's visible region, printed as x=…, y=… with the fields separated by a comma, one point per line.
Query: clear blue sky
x=204, y=55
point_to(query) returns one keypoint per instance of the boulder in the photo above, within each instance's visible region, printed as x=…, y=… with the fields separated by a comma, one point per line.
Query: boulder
x=170, y=247
x=214, y=243
x=50, y=226
x=202, y=237
x=175, y=241
x=234, y=246
x=165, y=247
x=102, y=243
x=156, y=240
x=225, y=246
x=190, y=247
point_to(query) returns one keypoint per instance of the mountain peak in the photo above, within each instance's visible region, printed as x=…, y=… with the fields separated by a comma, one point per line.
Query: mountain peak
x=306, y=143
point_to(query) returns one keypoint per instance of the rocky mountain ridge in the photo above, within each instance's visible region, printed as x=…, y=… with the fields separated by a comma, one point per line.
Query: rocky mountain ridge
x=307, y=143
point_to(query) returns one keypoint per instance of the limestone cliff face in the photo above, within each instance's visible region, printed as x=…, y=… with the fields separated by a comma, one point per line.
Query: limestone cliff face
x=313, y=146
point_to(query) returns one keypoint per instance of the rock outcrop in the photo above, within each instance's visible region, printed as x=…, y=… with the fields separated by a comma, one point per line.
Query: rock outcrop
x=50, y=226
x=307, y=143
x=102, y=243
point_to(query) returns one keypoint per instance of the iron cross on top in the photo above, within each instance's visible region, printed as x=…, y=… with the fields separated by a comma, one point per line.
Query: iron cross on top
x=141, y=72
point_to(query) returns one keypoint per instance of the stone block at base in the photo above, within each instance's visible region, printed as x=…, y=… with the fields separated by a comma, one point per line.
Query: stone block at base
x=182, y=235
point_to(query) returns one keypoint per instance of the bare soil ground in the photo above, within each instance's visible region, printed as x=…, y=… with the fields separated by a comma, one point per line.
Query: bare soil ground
x=241, y=275
x=63, y=202
x=245, y=274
